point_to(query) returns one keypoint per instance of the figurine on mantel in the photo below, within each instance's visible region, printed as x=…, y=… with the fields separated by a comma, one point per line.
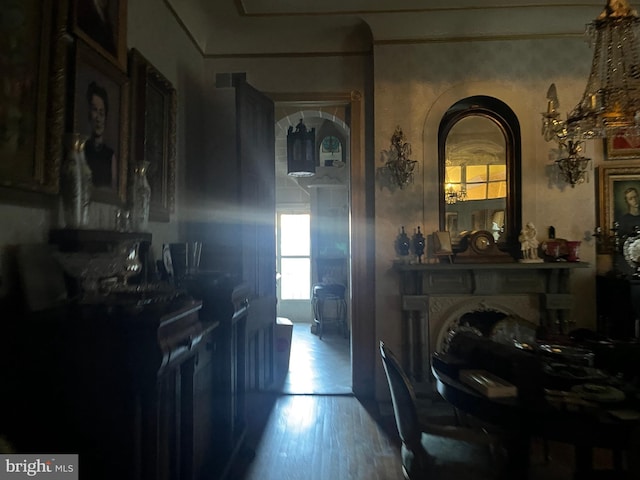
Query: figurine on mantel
x=529, y=244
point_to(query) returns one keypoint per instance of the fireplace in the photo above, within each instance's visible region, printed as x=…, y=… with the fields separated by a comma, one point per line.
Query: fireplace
x=436, y=296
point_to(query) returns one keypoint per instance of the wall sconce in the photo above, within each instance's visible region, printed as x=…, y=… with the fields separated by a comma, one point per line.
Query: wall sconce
x=399, y=165
x=451, y=195
x=301, y=151
x=574, y=167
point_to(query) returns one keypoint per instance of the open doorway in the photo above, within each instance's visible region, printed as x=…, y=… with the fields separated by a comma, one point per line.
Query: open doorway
x=318, y=205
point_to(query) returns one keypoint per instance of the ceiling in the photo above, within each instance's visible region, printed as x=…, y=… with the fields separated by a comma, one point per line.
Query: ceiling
x=222, y=28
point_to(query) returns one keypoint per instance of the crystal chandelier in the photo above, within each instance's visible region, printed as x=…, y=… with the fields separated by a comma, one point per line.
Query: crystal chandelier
x=399, y=165
x=610, y=104
x=451, y=195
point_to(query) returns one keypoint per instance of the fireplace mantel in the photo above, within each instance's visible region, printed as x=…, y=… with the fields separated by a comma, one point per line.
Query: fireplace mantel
x=485, y=278
x=430, y=291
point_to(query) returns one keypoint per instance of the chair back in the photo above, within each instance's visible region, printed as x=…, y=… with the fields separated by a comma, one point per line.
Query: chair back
x=402, y=397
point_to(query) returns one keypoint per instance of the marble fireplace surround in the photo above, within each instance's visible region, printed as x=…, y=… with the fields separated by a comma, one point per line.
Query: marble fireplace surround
x=435, y=296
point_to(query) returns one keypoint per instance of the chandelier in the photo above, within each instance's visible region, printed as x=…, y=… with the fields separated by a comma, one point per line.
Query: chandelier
x=451, y=195
x=610, y=104
x=399, y=165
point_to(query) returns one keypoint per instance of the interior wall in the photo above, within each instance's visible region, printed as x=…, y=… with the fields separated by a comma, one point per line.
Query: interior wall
x=165, y=44
x=414, y=87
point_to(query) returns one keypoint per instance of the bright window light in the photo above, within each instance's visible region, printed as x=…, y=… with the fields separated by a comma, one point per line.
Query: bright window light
x=295, y=257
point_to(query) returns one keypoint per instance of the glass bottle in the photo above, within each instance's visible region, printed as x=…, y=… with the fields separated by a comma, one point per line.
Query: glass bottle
x=75, y=183
x=141, y=198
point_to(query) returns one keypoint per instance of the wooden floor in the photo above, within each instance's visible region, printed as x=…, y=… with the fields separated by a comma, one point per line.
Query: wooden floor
x=317, y=366
x=312, y=428
x=319, y=437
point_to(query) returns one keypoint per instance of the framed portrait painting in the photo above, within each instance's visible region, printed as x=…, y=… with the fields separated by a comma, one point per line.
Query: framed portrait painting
x=100, y=113
x=102, y=24
x=32, y=104
x=153, y=132
x=619, y=198
x=622, y=146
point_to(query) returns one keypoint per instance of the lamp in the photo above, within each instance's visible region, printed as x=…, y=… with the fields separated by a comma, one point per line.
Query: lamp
x=610, y=104
x=573, y=167
x=399, y=165
x=301, y=159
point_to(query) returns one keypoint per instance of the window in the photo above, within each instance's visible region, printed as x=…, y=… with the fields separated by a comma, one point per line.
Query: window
x=481, y=182
x=294, y=256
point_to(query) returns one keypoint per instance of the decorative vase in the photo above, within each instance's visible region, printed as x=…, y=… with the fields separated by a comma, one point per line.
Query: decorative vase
x=552, y=249
x=404, y=244
x=75, y=183
x=418, y=245
x=573, y=248
x=141, y=198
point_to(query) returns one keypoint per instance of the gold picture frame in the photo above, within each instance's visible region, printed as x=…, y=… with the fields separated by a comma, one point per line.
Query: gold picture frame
x=614, y=187
x=103, y=26
x=33, y=100
x=153, y=132
x=97, y=77
x=622, y=147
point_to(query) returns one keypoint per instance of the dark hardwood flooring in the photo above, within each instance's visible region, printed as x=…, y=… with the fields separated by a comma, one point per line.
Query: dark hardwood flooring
x=312, y=428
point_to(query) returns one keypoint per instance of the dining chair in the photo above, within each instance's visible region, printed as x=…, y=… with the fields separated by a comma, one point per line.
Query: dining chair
x=435, y=451
x=323, y=295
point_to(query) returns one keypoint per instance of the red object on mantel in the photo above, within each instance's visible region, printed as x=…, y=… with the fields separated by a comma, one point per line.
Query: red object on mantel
x=573, y=248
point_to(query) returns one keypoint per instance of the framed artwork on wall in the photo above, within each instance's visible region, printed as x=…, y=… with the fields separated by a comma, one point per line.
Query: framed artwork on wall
x=153, y=132
x=621, y=146
x=100, y=113
x=619, y=198
x=102, y=24
x=32, y=102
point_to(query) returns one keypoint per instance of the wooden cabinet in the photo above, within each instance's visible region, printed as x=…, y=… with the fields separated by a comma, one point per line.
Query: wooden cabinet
x=132, y=392
x=206, y=381
x=141, y=388
x=225, y=303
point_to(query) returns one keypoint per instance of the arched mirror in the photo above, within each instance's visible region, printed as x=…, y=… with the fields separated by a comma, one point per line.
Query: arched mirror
x=479, y=170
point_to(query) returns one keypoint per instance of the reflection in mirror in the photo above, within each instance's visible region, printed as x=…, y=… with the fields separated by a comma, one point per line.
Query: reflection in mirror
x=330, y=152
x=479, y=155
x=476, y=175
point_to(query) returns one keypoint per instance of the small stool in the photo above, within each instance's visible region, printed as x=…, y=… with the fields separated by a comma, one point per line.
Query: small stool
x=331, y=292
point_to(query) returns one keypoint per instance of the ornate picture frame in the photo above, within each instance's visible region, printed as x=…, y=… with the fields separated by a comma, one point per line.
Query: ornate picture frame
x=616, y=185
x=98, y=80
x=622, y=147
x=102, y=25
x=32, y=120
x=153, y=132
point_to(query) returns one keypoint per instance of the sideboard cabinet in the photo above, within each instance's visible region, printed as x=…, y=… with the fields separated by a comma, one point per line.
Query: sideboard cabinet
x=133, y=393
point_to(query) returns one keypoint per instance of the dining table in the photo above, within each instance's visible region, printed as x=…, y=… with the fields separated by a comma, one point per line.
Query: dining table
x=585, y=415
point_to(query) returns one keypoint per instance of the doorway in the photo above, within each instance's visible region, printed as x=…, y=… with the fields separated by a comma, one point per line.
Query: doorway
x=323, y=202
